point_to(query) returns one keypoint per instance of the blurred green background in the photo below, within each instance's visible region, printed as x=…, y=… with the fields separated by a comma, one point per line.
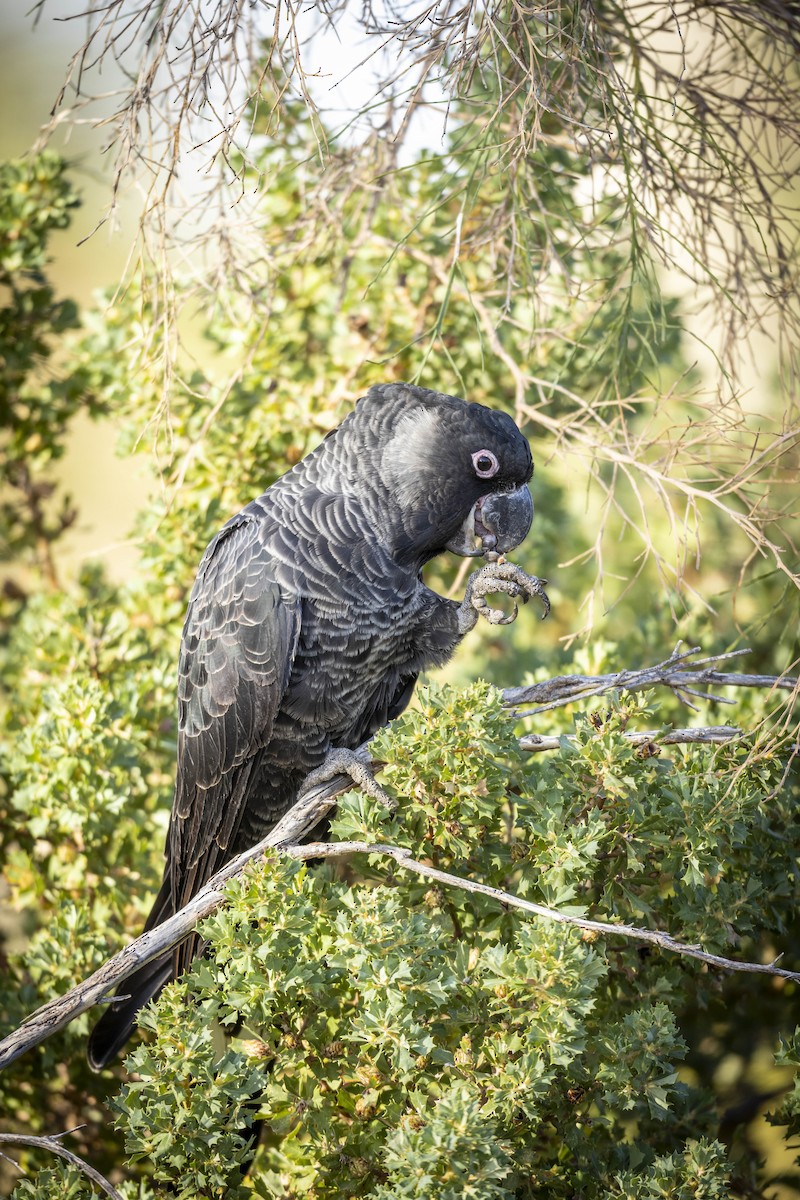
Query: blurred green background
x=107, y=488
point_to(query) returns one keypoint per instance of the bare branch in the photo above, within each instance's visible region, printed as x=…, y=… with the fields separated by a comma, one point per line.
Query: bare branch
x=404, y=858
x=676, y=672
x=53, y=1146
x=709, y=735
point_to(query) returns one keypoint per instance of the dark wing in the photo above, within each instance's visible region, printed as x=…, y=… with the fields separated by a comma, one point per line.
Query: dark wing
x=238, y=647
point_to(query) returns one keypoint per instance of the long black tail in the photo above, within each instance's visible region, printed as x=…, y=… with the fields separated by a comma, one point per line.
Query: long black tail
x=116, y=1024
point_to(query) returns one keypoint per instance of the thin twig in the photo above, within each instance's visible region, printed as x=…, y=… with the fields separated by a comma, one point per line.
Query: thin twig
x=693, y=107
x=404, y=858
x=676, y=672
x=709, y=735
x=53, y=1146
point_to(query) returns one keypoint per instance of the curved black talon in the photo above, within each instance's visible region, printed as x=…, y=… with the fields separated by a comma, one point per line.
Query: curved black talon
x=499, y=577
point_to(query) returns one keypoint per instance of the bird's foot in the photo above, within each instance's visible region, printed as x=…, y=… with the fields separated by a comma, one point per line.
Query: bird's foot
x=504, y=577
x=347, y=762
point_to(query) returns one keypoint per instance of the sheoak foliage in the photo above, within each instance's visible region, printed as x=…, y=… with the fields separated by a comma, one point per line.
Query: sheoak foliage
x=392, y=1038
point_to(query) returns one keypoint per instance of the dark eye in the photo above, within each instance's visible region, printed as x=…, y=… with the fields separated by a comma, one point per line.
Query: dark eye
x=485, y=464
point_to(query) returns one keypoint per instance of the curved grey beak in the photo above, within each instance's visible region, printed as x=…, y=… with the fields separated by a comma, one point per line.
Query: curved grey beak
x=496, y=523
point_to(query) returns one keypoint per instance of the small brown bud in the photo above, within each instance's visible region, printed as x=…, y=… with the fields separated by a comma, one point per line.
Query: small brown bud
x=365, y=1107
x=648, y=750
x=256, y=1048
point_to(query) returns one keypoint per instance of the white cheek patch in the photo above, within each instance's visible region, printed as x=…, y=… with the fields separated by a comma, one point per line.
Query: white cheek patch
x=408, y=449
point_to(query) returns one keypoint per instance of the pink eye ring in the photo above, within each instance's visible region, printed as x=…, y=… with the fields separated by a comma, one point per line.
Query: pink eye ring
x=485, y=464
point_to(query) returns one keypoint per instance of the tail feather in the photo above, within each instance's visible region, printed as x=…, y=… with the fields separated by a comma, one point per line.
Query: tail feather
x=118, y=1021
x=116, y=1024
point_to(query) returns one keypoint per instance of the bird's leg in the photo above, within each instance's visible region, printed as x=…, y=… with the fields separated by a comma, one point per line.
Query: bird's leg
x=498, y=577
x=347, y=762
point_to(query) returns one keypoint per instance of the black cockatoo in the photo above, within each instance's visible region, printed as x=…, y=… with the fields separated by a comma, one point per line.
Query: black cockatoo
x=309, y=623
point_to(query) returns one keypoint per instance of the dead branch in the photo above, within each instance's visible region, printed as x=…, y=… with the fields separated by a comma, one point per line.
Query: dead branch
x=675, y=672
x=405, y=859
x=708, y=735
x=53, y=1146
